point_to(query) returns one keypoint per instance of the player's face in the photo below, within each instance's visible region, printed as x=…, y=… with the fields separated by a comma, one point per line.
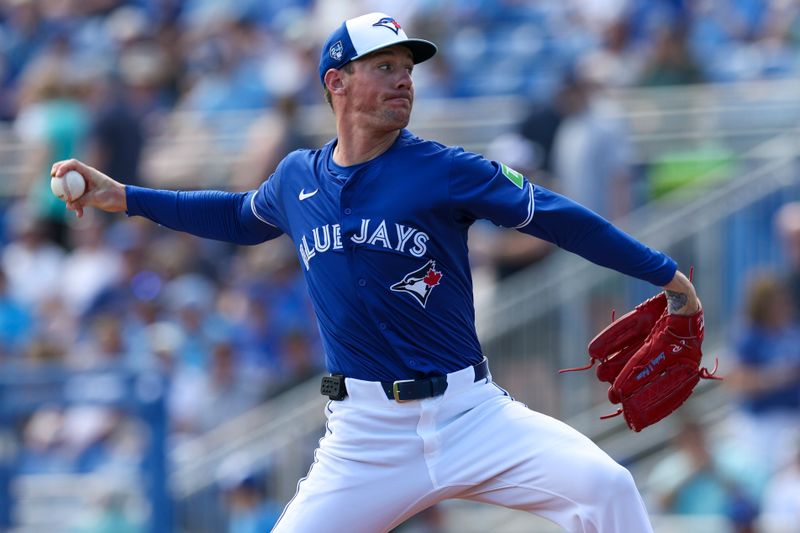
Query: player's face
x=380, y=91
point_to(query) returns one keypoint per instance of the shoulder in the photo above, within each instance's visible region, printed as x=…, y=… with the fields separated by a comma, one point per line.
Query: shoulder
x=408, y=142
x=299, y=158
x=299, y=163
x=412, y=148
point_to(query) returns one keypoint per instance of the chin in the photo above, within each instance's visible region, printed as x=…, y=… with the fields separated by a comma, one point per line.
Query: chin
x=398, y=120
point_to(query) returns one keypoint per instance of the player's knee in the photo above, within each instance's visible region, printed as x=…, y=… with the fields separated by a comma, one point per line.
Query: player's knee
x=616, y=481
x=599, y=482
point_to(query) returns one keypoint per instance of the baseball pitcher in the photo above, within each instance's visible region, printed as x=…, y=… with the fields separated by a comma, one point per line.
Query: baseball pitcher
x=379, y=218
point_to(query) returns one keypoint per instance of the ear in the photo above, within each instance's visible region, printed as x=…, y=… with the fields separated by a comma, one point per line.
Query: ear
x=334, y=81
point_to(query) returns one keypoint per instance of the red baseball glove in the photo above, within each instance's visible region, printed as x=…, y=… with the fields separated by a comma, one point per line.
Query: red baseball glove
x=651, y=359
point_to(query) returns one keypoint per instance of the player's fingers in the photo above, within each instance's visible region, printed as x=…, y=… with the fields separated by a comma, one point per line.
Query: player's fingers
x=77, y=206
x=58, y=169
x=62, y=167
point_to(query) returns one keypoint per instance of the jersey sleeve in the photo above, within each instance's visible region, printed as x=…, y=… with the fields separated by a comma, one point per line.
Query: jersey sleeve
x=266, y=203
x=216, y=215
x=484, y=189
x=573, y=227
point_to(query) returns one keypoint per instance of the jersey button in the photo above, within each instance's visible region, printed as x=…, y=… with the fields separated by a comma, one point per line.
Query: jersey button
x=382, y=325
x=347, y=211
x=362, y=282
x=412, y=362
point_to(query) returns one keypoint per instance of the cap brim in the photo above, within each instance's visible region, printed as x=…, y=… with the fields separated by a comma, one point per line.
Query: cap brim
x=421, y=50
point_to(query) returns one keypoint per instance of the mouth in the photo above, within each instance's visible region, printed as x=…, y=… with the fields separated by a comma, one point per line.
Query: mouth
x=399, y=99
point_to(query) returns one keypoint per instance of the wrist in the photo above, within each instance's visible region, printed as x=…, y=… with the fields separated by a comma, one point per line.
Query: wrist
x=681, y=296
x=124, y=197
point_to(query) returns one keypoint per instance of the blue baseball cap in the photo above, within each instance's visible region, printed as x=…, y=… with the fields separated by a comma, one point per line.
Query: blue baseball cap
x=363, y=35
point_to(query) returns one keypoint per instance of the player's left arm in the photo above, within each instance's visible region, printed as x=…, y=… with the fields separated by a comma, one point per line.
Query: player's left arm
x=577, y=229
x=480, y=188
x=681, y=295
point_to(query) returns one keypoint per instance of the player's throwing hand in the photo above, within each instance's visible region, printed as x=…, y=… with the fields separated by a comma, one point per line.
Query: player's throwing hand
x=101, y=192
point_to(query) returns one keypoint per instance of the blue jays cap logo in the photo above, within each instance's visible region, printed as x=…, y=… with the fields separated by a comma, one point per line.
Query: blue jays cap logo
x=336, y=51
x=419, y=283
x=389, y=22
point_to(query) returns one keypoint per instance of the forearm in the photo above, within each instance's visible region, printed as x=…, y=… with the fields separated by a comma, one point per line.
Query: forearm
x=574, y=228
x=216, y=215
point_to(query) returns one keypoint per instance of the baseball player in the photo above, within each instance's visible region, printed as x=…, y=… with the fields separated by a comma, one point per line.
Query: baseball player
x=379, y=218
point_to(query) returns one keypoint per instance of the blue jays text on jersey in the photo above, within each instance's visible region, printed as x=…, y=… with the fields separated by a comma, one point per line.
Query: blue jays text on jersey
x=329, y=237
x=384, y=245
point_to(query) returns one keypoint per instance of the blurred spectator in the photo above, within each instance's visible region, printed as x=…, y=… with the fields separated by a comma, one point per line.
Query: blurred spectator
x=54, y=122
x=41, y=450
x=592, y=150
x=257, y=343
x=111, y=515
x=619, y=59
x=16, y=323
x=787, y=228
x=781, y=502
x=671, y=62
x=24, y=33
x=539, y=126
x=269, y=139
x=299, y=360
x=91, y=267
x=225, y=63
x=116, y=138
x=104, y=349
x=694, y=481
x=247, y=496
x=190, y=298
x=250, y=509
x=32, y=264
x=205, y=399
x=766, y=379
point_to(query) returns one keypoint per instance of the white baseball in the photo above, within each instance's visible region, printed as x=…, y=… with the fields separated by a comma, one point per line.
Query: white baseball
x=69, y=187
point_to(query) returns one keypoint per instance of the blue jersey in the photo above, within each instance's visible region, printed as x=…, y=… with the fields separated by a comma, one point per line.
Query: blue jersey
x=383, y=245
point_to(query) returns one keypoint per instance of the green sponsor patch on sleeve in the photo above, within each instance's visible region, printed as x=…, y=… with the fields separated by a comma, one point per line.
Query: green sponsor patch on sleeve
x=513, y=176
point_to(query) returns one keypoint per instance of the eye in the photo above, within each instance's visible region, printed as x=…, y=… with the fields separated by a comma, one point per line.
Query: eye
x=385, y=66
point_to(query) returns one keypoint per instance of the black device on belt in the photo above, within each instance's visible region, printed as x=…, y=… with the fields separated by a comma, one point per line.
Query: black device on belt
x=333, y=387
x=402, y=390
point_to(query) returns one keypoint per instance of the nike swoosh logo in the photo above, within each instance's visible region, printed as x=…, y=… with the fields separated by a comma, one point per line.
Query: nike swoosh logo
x=304, y=195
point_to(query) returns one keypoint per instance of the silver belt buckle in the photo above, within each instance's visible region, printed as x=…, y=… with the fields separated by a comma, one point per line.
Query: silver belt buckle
x=396, y=389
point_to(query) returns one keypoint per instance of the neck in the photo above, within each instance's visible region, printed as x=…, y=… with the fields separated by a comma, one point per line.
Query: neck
x=357, y=146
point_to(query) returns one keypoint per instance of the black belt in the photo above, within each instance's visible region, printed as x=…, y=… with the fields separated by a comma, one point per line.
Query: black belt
x=402, y=390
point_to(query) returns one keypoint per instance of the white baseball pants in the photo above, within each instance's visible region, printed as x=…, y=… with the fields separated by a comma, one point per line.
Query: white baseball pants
x=380, y=462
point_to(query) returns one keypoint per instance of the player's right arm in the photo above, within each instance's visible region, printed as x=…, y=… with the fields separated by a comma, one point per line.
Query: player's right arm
x=216, y=215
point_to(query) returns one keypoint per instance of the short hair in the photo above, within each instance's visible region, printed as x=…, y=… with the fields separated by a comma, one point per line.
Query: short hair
x=328, y=98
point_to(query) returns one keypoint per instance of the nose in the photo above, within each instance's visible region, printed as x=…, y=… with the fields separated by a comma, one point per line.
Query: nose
x=404, y=80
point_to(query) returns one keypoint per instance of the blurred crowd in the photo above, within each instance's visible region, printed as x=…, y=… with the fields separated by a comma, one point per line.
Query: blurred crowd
x=232, y=326
x=746, y=469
